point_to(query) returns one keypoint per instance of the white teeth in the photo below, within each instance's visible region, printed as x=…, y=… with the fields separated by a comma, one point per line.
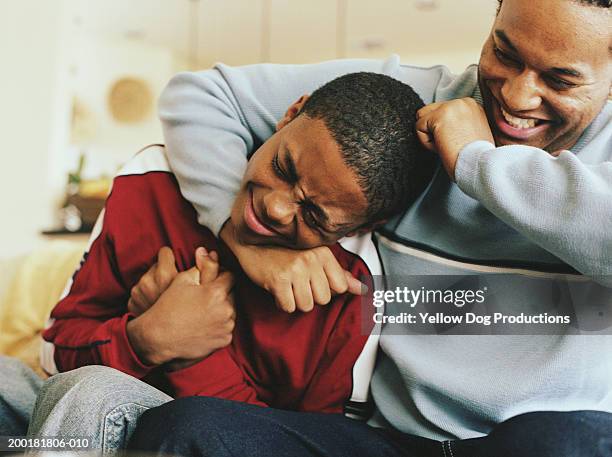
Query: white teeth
x=518, y=122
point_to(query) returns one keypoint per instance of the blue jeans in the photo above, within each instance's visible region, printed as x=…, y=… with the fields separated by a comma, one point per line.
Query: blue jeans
x=200, y=426
x=94, y=402
x=19, y=386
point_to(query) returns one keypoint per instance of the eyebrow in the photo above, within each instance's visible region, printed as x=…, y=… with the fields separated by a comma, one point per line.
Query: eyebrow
x=560, y=70
x=502, y=36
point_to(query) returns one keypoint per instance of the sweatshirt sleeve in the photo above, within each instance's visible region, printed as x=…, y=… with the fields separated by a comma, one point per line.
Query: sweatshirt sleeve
x=218, y=375
x=560, y=203
x=89, y=324
x=212, y=120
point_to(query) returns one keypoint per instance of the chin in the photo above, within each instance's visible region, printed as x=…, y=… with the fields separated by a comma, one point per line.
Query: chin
x=501, y=140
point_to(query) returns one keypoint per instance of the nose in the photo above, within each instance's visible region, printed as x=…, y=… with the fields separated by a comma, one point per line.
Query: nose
x=521, y=92
x=279, y=207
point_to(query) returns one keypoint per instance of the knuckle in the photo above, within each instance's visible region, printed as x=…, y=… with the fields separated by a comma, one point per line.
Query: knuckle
x=218, y=295
x=165, y=277
x=278, y=280
x=310, y=256
x=340, y=286
x=148, y=285
x=228, y=313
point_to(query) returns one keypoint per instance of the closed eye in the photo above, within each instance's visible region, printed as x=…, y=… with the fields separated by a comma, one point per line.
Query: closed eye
x=560, y=84
x=278, y=170
x=308, y=215
x=506, y=58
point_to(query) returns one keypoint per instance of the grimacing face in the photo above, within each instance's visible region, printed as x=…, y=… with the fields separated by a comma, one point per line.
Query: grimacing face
x=297, y=191
x=545, y=71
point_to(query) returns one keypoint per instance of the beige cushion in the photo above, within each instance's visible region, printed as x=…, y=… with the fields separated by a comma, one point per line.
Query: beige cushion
x=30, y=288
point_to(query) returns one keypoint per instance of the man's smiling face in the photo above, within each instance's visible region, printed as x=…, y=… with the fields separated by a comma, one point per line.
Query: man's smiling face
x=545, y=71
x=297, y=191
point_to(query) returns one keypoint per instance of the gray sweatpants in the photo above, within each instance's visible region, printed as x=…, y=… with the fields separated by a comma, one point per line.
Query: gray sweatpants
x=94, y=402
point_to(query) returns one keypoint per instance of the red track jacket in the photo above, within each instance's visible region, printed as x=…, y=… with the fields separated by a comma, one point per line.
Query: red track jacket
x=317, y=361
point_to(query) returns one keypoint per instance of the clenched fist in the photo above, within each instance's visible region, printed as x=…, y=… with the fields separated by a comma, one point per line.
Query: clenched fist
x=447, y=127
x=192, y=318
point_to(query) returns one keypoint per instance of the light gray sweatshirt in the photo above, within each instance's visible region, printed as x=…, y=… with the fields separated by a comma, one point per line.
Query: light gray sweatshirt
x=512, y=209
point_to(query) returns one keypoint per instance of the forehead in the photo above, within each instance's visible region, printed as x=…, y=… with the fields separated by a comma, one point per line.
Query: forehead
x=558, y=33
x=324, y=176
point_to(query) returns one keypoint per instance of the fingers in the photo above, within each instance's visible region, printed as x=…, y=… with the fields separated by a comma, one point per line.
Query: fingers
x=207, y=264
x=319, y=285
x=283, y=296
x=144, y=293
x=428, y=109
x=425, y=134
x=423, y=126
x=355, y=286
x=225, y=281
x=336, y=278
x=232, y=303
x=341, y=281
x=135, y=307
x=303, y=295
x=166, y=269
x=165, y=258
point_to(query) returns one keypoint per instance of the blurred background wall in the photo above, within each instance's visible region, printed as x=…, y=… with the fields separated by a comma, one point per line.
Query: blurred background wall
x=82, y=77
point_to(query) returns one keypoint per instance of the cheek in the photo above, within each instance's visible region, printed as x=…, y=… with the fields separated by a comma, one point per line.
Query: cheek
x=257, y=171
x=238, y=207
x=574, y=111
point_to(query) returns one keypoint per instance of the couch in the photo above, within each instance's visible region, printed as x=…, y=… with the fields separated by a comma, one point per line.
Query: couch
x=30, y=286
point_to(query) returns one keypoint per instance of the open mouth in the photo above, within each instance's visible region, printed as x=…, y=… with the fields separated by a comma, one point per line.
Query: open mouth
x=251, y=219
x=519, y=122
x=518, y=128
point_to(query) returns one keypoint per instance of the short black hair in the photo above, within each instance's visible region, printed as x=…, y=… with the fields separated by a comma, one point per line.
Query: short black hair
x=599, y=3
x=372, y=117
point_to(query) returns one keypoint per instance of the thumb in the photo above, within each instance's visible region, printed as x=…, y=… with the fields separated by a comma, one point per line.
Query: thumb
x=208, y=265
x=355, y=286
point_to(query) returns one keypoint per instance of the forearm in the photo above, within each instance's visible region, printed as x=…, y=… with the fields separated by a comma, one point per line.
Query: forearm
x=212, y=120
x=562, y=204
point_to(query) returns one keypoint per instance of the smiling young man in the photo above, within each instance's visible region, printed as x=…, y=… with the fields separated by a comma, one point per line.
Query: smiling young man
x=528, y=190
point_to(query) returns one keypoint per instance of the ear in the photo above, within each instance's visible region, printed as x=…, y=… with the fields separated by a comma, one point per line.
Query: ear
x=292, y=111
x=366, y=228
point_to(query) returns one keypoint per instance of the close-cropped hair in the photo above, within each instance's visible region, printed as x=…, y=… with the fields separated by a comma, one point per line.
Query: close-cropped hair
x=372, y=117
x=599, y=3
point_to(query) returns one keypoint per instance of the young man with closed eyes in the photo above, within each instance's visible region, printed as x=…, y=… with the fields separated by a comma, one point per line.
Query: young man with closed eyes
x=325, y=178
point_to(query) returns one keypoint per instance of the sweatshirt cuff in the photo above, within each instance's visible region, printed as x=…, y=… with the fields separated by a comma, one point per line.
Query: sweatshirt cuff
x=209, y=377
x=121, y=354
x=467, y=167
x=216, y=217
